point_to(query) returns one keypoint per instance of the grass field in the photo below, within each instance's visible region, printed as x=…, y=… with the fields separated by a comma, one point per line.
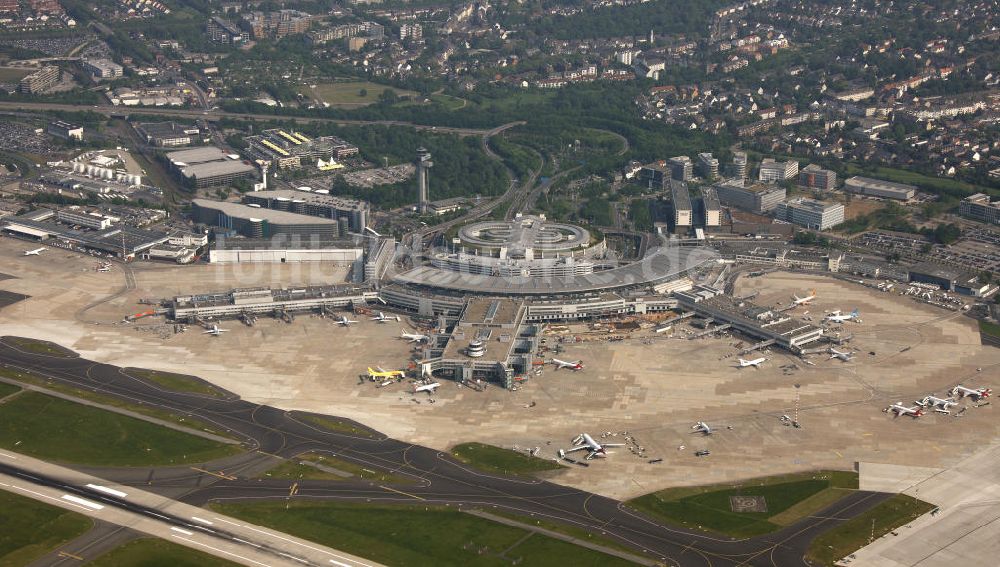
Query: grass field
x=8, y=75
x=293, y=469
x=925, y=182
x=348, y=93
x=188, y=421
x=789, y=498
x=7, y=389
x=404, y=535
x=991, y=329
x=496, y=460
x=148, y=552
x=31, y=529
x=39, y=347
x=59, y=430
x=175, y=382
x=853, y=534
x=335, y=425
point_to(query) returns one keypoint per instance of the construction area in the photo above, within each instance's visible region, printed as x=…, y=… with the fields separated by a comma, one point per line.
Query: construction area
x=652, y=376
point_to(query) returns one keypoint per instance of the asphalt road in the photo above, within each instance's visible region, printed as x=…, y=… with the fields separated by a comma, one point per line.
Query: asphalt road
x=269, y=432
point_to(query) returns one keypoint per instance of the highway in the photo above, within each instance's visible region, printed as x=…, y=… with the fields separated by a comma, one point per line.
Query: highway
x=270, y=432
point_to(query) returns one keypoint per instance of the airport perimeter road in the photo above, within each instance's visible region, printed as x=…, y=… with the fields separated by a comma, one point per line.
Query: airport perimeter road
x=155, y=515
x=440, y=480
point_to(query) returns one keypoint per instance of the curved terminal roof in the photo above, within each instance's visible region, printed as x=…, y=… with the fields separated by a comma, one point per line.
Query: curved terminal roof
x=524, y=233
x=660, y=265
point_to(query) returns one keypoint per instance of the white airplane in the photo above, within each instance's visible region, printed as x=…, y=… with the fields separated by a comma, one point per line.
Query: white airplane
x=977, y=394
x=215, y=331
x=938, y=404
x=382, y=317
x=584, y=441
x=702, y=427
x=796, y=300
x=35, y=252
x=429, y=388
x=755, y=362
x=414, y=338
x=836, y=317
x=578, y=365
x=845, y=356
x=899, y=409
x=345, y=321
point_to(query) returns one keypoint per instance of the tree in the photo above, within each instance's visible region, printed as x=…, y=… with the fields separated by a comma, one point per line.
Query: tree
x=363, y=93
x=388, y=97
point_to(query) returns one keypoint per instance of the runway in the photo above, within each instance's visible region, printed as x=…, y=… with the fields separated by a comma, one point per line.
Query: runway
x=268, y=432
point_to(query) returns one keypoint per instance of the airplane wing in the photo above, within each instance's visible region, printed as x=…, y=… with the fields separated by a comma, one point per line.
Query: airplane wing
x=613, y=444
x=577, y=448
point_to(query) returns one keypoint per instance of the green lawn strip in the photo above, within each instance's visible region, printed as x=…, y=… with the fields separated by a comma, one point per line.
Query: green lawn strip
x=410, y=535
x=293, y=469
x=54, y=429
x=149, y=552
x=175, y=382
x=925, y=182
x=708, y=508
x=8, y=389
x=496, y=460
x=855, y=533
x=336, y=425
x=158, y=413
x=571, y=531
x=29, y=529
x=35, y=346
x=348, y=93
x=808, y=507
x=991, y=329
x=8, y=75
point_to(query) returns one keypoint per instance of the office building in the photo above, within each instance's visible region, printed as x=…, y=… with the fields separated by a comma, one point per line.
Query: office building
x=772, y=171
x=708, y=166
x=257, y=222
x=292, y=150
x=77, y=216
x=810, y=213
x=879, y=188
x=103, y=68
x=65, y=130
x=813, y=176
x=208, y=167
x=655, y=175
x=738, y=168
x=711, y=210
x=39, y=81
x=681, y=168
x=978, y=207
x=225, y=32
x=757, y=198
x=313, y=204
x=167, y=134
x=682, y=204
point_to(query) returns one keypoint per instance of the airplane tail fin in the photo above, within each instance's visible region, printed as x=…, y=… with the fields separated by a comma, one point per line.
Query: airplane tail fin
x=855, y=313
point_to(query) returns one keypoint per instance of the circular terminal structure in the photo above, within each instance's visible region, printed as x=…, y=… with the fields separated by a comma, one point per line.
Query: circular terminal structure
x=527, y=237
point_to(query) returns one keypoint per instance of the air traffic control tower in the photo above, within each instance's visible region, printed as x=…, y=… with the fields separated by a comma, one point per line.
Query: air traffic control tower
x=423, y=163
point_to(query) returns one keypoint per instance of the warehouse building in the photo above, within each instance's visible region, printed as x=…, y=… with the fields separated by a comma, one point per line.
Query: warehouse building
x=65, y=130
x=313, y=204
x=257, y=222
x=948, y=279
x=810, y=213
x=758, y=198
x=879, y=188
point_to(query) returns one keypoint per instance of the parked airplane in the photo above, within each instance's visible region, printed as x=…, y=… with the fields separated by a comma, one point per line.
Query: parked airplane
x=938, y=404
x=380, y=373
x=382, y=317
x=414, y=338
x=578, y=365
x=345, y=321
x=977, y=394
x=845, y=356
x=35, y=252
x=836, y=317
x=215, y=331
x=755, y=362
x=899, y=409
x=584, y=441
x=796, y=300
x=702, y=427
x=429, y=388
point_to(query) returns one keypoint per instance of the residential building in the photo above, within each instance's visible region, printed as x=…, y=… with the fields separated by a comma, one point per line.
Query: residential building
x=65, y=130
x=810, y=213
x=681, y=168
x=815, y=177
x=225, y=32
x=880, y=188
x=708, y=166
x=411, y=31
x=978, y=207
x=758, y=198
x=738, y=168
x=772, y=170
x=40, y=81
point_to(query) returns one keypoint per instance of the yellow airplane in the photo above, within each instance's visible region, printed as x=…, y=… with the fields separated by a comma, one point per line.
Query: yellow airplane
x=376, y=374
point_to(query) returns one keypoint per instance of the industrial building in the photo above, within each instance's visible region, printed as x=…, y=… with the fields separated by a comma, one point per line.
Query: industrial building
x=708, y=166
x=772, y=171
x=65, y=130
x=979, y=207
x=167, y=134
x=758, y=198
x=681, y=199
x=256, y=222
x=305, y=202
x=208, y=167
x=284, y=249
x=711, y=210
x=763, y=323
x=813, y=176
x=810, y=213
x=879, y=188
x=292, y=150
x=681, y=168
x=948, y=279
